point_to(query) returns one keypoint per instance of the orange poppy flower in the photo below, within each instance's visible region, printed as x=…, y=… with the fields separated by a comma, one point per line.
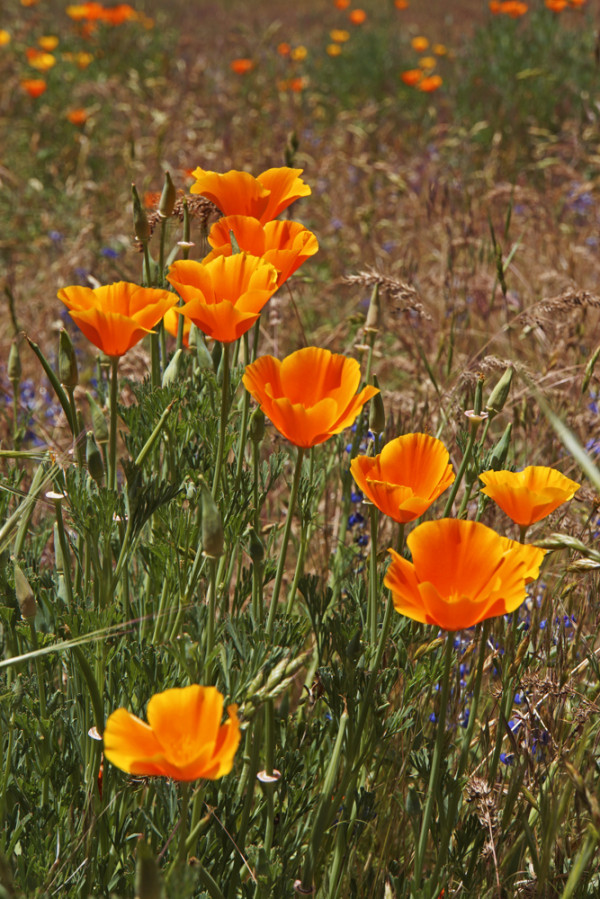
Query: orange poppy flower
x=184, y=738
x=241, y=66
x=461, y=573
x=48, y=42
x=309, y=396
x=556, y=5
x=284, y=244
x=514, y=8
x=342, y=4
x=406, y=477
x=117, y=15
x=333, y=49
x=116, y=316
x=223, y=297
x=411, y=76
x=430, y=84
x=357, y=16
x=5, y=37
x=528, y=496
x=35, y=87
x=420, y=44
x=401, y=4
x=77, y=116
x=495, y=7
x=339, y=35
x=239, y=193
x=284, y=49
x=171, y=323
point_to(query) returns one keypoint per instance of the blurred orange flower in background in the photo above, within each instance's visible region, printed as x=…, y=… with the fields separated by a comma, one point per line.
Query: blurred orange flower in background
x=513, y=8
x=333, y=49
x=556, y=5
x=240, y=193
x=357, y=16
x=339, y=36
x=461, y=573
x=341, y=4
x=310, y=395
x=299, y=53
x=223, y=297
x=419, y=43
x=39, y=59
x=35, y=87
x=401, y=4
x=4, y=37
x=411, y=76
x=284, y=49
x=48, y=42
x=77, y=116
x=406, y=477
x=528, y=496
x=116, y=316
x=184, y=738
x=285, y=244
x=241, y=66
x=429, y=84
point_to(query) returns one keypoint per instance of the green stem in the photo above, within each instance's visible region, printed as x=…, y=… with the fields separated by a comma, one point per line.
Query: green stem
x=373, y=579
x=223, y=420
x=64, y=551
x=463, y=467
x=284, y=544
x=112, y=440
x=433, y=789
x=210, y=625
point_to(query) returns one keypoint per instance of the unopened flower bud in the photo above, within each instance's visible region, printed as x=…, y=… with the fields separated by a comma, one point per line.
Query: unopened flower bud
x=141, y=226
x=377, y=411
x=212, y=525
x=167, y=197
x=205, y=360
x=374, y=313
x=500, y=451
x=257, y=547
x=93, y=458
x=25, y=597
x=98, y=420
x=171, y=373
x=148, y=882
x=67, y=362
x=257, y=426
x=14, y=363
x=499, y=394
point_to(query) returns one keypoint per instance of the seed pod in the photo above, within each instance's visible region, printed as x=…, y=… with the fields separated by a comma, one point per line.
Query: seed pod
x=374, y=313
x=257, y=548
x=141, y=225
x=499, y=394
x=500, y=451
x=98, y=420
x=377, y=411
x=14, y=363
x=257, y=426
x=171, y=373
x=93, y=458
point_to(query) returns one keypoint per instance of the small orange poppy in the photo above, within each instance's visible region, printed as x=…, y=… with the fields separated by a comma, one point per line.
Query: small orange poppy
x=223, y=297
x=339, y=35
x=411, y=77
x=184, y=738
x=284, y=49
x=495, y=7
x=35, y=87
x=401, y=4
x=297, y=84
x=528, y=496
x=241, y=66
x=406, y=477
x=514, y=8
x=419, y=44
x=77, y=116
x=48, y=42
x=285, y=244
x=5, y=37
x=341, y=4
x=357, y=16
x=461, y=573
x=556, y=5
x=429, y=84
x=310, y=395
x=116, y=316
x=333, y=49
x=239, y=193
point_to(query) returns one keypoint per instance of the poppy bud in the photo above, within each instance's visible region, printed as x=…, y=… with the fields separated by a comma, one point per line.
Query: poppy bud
x=257, y=548
x=98, y=420
x=205, y=360
x=212, y=525
x=93, y=458
x=374, y=313
x=167, y=197
x=171, y=372
x=257, y=426
x=499, y=394
x=67, y=363
x=500, y=451
x=148, y=883
x=141, y=226
x=377, y=411
x=14, y=363
x=25, y=597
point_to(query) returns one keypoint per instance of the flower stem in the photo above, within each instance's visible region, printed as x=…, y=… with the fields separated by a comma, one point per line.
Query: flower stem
x=284, y=544
x=223, y=420
x=433, y=789
x=373, y=579
x=112, y=443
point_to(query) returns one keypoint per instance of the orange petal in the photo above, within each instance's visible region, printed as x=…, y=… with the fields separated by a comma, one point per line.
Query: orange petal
x=285, y=186
x=113, y=334
x=129, y=742
x=235, y=193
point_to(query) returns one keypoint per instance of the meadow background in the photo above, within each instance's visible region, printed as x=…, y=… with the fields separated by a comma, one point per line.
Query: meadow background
x=469, y=196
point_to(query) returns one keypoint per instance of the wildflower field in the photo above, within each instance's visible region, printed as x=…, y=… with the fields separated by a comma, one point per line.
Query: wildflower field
x=299, y=445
